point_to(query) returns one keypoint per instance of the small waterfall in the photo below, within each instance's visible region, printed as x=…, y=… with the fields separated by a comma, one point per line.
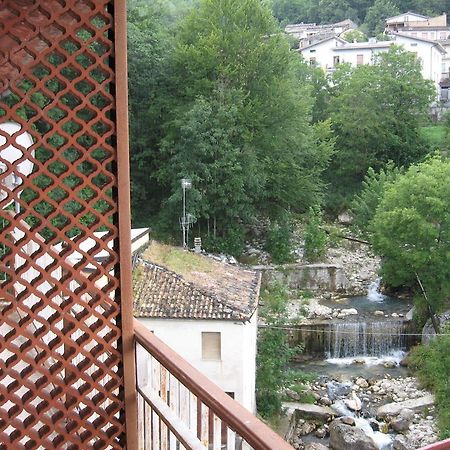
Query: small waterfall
x=374, y=294
x=349, y=339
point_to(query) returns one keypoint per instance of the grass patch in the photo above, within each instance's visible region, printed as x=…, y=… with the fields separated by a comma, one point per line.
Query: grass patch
x=435, y=135
x=178, y=260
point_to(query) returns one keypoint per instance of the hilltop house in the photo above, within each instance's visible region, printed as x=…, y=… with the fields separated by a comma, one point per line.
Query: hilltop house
x=417, y=25
x=209, y=317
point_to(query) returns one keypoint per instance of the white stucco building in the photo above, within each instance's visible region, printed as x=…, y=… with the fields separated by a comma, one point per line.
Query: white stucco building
x=330, y=52
x=211, y=321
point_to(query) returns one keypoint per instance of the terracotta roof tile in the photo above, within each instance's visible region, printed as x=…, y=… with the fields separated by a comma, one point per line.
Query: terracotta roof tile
x=161, y=293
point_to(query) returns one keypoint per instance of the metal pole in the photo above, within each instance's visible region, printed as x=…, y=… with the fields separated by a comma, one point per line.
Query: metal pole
x=184, y=217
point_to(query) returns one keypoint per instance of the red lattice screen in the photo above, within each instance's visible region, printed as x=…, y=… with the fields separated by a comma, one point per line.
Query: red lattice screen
x=61, y=325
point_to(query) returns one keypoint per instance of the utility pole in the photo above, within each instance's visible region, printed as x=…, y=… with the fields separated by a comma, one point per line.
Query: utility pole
x=186, y=183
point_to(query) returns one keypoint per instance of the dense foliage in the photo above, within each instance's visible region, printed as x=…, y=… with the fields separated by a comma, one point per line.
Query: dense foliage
x=431, y=363
x=365, y=203
x=411, y=230
x=376, y=111
x=231, y=107
x=273, y=353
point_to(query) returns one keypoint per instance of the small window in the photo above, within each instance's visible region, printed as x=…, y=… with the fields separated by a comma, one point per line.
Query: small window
x=359, y=60
x=211, y=345
x=312, y=61
x=414, y=44
x=424, y=35
x=414, y=34
x=312, y=51
x=335, y=60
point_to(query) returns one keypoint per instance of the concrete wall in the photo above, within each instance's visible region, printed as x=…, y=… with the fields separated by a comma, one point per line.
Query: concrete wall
x=235, y=372
x=324, y=277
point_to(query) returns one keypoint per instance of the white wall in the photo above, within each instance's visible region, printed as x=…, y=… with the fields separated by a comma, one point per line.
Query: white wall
x=323, y=52
x=430, y=57
x=235, y=372
x=350, y=55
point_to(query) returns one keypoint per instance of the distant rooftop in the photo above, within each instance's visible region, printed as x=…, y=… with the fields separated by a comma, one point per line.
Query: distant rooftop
x=170, y=282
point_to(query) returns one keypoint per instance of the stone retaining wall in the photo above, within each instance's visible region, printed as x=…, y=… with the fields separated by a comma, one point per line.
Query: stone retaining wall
x=314, y=277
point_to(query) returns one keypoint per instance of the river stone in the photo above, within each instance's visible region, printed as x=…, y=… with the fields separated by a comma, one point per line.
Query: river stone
x=353, y=403
x=416, y=404
x=401, y=443
x=346, y=437
x=321, y=432
x=362, y=382
x=336, y=390
x=308, y=411
x=402, y=422
x=316, y=446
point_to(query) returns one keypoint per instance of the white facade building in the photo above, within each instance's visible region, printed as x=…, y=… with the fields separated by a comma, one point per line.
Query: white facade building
x=330, y=52
x=212, y=326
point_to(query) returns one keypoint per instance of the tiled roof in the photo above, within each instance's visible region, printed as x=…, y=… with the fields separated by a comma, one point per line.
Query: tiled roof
x=161, y=293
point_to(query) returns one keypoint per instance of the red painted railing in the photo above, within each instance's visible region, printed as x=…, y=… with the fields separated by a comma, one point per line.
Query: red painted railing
x=442, y=445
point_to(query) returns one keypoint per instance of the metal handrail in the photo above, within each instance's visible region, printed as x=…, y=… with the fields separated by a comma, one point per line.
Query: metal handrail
x=250, y=428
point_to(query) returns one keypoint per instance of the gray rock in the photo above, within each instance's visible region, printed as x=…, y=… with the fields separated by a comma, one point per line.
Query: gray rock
x=305, y=428
x=321, y=432
x=336, y=390
x=416, y=404
x=308, y=411
x=362, y=382
x=316, y=446
x=292, y=394
x=401, y=443
x=346, y=437
x=347, y=420
x=402, y=422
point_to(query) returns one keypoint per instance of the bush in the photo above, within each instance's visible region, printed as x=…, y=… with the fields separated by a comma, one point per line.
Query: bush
x=279, y=239
x=431, y=364
x=273, y=353
x=315, y=236
x=365, y=203
x=231, y=243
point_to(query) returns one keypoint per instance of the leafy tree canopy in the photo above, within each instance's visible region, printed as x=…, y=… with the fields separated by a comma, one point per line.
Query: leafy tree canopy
x=239, y=125
x=411, y=229
x=376, y=113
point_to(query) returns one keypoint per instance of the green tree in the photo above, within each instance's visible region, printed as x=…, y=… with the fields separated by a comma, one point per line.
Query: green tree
x=365, y=203
x=376, y=112
x=239, y=125
x=377, y=14
x=354, y=36
x=411, y=230
x=273, y=352
x=315, y=236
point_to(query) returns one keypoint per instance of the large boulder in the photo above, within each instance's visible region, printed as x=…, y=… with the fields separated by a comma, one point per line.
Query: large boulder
x=415, y=404
x=346, y=437
x=308, y=411
x=338, y=390
x=403, y=420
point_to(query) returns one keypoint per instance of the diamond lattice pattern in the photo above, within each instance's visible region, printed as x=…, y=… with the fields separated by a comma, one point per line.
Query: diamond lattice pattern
x=61, y=381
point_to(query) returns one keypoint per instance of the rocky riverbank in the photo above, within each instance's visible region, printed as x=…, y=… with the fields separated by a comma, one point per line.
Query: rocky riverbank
x=363, y=414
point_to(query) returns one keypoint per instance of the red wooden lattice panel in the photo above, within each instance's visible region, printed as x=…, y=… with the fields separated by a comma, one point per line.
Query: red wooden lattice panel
x=61, y=371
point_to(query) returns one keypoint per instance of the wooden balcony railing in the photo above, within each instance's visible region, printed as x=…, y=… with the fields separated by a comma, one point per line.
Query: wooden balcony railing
x=180, y=408
x=441, y=445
